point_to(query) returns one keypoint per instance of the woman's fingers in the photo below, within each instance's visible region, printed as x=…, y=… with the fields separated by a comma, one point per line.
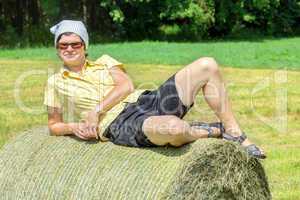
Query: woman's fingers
x=85, y=131
x=82, y=132
x=79, y=133
x=92, y=130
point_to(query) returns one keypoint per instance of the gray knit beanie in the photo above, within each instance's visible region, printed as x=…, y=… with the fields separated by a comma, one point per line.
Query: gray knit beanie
x=72, y=26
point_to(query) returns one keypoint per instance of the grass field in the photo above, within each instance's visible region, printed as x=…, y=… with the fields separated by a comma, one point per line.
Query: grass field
x=260, y=53
x=257, y=88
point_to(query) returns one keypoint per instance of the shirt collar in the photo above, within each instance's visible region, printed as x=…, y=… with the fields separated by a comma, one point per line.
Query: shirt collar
x=66, y=72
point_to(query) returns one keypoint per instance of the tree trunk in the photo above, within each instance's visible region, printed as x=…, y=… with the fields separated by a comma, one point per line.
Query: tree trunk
x=84, y=11
x=18, y=19
x=34, y=11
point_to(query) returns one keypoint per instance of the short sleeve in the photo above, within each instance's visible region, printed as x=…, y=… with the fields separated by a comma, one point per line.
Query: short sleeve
x=109, y=62
x=51, y=97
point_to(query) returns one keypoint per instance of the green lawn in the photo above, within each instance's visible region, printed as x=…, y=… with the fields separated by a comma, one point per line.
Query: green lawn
x=261, y=53
x=153, y=62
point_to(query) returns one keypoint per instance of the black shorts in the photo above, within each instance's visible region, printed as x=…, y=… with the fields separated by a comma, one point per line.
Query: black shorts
x=126, y=129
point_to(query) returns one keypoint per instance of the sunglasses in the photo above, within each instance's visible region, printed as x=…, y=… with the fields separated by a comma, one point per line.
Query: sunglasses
x=74, y=45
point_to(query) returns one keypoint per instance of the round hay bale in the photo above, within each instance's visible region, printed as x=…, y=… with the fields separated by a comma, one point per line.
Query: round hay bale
x=37, y=166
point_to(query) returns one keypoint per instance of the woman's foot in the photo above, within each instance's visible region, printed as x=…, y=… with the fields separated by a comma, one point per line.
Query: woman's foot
x=242, y=139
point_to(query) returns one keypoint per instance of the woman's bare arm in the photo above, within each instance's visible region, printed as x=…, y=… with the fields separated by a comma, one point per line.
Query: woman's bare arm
x=56, y=124
x=123, y=87
x=58, y=127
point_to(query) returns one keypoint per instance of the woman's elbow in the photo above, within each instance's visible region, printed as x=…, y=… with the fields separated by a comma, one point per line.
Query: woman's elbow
x=128, y=87
x=52, y=131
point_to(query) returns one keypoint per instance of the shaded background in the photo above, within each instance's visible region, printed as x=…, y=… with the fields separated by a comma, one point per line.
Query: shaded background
x=27, y=22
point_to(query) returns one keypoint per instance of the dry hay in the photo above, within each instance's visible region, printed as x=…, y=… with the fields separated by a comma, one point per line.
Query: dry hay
x=37, y=166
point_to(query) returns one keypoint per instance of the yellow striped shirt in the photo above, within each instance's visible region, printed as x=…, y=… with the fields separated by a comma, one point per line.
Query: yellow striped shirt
x=78, y=93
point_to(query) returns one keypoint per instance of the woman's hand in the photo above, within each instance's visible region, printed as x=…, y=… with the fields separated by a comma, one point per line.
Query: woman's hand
x=84, y=131
x=92, y=122
x=92, y=118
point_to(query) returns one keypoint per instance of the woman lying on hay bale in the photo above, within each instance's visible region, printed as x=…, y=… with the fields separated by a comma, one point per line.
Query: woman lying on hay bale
x=98, y=100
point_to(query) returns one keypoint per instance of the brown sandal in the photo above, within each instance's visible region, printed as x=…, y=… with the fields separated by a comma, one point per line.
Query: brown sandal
x=251, y=149
x=208, y=127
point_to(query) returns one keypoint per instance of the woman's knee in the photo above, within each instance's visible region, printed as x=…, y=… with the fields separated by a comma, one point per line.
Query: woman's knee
x=207, y=65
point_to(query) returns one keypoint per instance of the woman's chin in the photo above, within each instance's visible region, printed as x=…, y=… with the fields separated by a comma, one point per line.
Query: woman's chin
x=71, y=61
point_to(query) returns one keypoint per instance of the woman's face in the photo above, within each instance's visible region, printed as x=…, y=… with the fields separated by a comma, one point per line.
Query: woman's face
x=71, y=50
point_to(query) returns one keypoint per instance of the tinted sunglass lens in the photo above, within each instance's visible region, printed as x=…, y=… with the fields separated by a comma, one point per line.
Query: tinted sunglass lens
x=63, y=46
x=76, y=45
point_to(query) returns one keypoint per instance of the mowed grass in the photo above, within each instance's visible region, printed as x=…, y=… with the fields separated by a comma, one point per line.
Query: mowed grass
x=260, y=53
x=262, y=99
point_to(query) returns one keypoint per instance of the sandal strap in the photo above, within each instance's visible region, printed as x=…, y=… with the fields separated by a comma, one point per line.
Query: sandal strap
x=202, y=125
x=240, y=139
x=218, y=125
x=211, y=125
x=208, y=129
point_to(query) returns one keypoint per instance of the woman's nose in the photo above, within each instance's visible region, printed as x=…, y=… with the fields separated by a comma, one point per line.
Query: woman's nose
x=69, y=48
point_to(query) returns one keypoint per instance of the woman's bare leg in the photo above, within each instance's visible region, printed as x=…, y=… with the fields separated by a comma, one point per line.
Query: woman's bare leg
x=169, y=129
x=204, y=74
